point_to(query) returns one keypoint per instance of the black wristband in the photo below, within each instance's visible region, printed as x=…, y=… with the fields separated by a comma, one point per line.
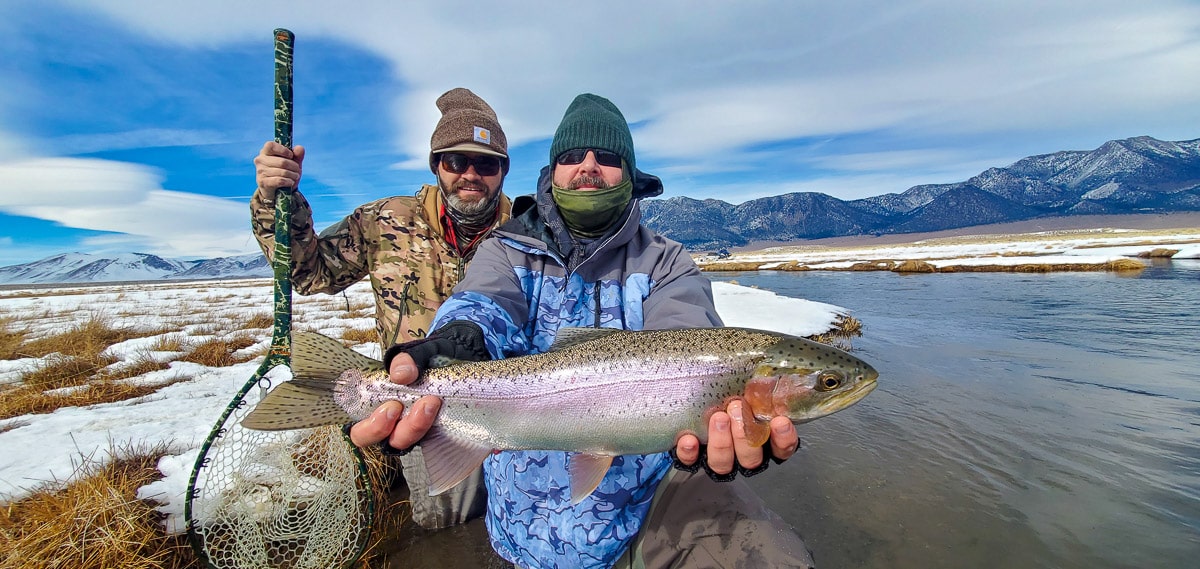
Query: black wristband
x=702, y=461
x=727, y=477
x=748, y=472
x=389, y=450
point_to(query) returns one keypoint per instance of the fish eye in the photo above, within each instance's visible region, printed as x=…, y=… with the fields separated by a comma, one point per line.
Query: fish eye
x=829, y=380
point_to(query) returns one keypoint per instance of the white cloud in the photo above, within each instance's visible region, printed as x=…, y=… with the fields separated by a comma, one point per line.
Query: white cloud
x=127, y=200
x=720, y=77
x=137, y=138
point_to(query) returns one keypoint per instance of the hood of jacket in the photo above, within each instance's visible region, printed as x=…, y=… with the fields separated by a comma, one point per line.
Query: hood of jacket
x=536, y=217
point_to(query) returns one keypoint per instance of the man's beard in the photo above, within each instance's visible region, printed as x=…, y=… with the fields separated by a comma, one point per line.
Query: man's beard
x=470, y=212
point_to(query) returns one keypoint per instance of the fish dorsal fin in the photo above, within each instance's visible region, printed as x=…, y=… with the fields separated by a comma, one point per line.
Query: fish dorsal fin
x=568, y=337
x=587, y=470
x=292, y=406
x=318, y=359
x=449, y=461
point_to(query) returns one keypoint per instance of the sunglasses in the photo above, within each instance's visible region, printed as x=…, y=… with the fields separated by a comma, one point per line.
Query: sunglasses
x=576, y=155
x=458, y=163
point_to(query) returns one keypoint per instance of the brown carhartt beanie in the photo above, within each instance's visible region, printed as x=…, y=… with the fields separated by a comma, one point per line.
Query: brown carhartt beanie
x=468, y=124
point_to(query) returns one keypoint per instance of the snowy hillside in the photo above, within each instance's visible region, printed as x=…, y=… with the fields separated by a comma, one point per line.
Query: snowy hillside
x=83, y=267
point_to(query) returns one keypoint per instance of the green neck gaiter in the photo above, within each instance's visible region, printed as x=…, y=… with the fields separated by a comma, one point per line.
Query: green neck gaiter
x=590, y=213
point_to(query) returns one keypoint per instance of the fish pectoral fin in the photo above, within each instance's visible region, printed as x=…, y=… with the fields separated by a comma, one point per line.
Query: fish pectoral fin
x=757, y=432
x=586, y=471
x=449, y=461
x=291, y=406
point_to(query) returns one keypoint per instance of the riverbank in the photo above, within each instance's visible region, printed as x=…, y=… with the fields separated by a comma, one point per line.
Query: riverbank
x=1088, y=243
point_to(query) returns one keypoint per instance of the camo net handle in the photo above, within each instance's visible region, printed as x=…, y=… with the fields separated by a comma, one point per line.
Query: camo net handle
x=282, y=499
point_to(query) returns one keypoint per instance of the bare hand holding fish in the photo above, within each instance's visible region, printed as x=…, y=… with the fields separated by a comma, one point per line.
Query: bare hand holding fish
x=599, y=392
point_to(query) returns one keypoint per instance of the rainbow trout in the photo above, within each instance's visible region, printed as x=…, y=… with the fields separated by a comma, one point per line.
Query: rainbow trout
x=600, y=392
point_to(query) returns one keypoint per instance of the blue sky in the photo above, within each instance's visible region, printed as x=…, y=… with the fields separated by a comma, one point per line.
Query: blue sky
x=129, y=126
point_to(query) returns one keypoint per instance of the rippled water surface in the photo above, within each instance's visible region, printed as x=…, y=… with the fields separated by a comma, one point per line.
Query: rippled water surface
x=1021, y=421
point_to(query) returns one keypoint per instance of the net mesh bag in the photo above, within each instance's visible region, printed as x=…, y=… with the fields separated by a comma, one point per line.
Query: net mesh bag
x=279, y=499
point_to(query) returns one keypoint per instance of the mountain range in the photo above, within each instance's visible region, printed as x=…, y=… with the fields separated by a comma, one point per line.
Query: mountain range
x=84, y=268
x=1135, y=175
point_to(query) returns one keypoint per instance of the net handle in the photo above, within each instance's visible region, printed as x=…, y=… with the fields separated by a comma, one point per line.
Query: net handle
x=281, y=339
x=281, y=336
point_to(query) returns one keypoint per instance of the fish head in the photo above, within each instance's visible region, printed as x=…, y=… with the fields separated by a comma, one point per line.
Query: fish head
x=805, y=380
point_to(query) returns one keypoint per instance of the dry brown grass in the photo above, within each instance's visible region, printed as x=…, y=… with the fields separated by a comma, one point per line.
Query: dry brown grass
x=731, y=266
x=360, y=335
x=391, y=509
x=845, y=329
x=219, y=352
x=78, y=382
x=95, y=521
x=1119, y=266
x=173, y=342
x=1158, y=253
x=85, y=339
x=26, y=400
x=75, y=375
x=792, y=266
x=873, y=266
x=10, y=339
x=261, y=320
x=911, y=266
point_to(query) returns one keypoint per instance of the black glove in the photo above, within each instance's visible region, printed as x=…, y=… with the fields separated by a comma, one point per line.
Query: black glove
x=459, y=340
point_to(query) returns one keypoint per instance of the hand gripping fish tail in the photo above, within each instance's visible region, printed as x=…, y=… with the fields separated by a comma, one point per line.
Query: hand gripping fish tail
x=598, y=392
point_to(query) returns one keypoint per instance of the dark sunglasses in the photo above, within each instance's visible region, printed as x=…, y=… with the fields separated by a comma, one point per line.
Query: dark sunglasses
x=458, y=163
x=576, y=155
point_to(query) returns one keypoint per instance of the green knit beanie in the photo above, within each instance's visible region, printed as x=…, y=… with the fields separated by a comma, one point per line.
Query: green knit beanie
x=593, y=122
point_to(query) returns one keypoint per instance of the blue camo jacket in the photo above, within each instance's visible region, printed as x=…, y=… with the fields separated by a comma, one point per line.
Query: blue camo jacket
x=519, y=291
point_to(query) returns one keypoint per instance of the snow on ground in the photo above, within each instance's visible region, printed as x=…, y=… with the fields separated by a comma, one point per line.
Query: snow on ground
x=1081, y=247
x=48, y=448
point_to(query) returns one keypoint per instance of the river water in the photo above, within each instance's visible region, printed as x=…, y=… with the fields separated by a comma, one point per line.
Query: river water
x=1021, y=420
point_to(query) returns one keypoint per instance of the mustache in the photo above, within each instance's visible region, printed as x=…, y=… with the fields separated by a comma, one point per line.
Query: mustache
x=468, y=185
x=593, y=181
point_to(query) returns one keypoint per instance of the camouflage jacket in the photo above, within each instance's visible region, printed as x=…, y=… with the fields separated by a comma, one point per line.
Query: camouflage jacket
x=397, y=241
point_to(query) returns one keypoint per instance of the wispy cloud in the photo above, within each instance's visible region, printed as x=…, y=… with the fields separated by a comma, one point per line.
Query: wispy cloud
x=127, y=200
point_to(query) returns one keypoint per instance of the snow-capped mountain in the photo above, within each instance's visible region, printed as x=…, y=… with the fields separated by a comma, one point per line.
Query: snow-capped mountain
x=83, y=267
x=1134, y=175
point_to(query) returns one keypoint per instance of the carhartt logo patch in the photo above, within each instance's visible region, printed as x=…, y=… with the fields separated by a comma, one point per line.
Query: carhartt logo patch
x=483, y=135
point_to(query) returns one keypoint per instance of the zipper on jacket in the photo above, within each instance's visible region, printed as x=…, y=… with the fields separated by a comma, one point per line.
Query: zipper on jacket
x=596, y=321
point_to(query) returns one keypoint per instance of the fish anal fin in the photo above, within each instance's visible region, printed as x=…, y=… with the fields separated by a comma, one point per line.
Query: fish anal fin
x=568, y=337
x=449, y=461
x=586, y=471
x=291, y=406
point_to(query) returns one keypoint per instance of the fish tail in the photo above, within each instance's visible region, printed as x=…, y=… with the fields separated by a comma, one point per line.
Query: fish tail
x=308, y=399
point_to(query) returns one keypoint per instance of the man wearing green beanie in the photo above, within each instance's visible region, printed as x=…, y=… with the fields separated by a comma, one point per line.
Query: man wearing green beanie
x=576, y=255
